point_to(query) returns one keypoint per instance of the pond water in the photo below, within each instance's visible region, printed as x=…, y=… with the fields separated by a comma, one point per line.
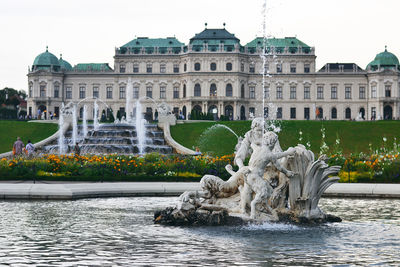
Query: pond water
x=120, y=231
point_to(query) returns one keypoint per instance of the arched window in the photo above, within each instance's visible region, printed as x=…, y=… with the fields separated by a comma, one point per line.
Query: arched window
x=197, y=90
x=362, y=113
x=184, y=90
x=213, y=90
x=197, y=66
x=242, y=91
x=213, y=66
x=228, y=90
x=334, y=113
x=184, y=67
x=348, y=113
x=228, y=66
x=229, y=112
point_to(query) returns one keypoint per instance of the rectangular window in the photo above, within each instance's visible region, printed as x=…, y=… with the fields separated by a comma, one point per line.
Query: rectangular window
x=279, y=68
x=56, y=91
x=149, y=68
x=122, y=68
x=122, y=92
x=135, y=68
x=293, y=68
x=162, y=92
x=306, y=68
x=163, y=68
x=242, y=67
x=82, y=92
x=42, y=91
x=279, y=113
x=293, y=113
x=149, y=91
x=252, y=111
x=334, y=92
x=293, y=92
x=362, y=92
x=266, y=68
x=279, y=92
x=347, y=92
x=176, y=68
x=135, y=92
x=388, y=90
x=176, y=92
x=306, y=113
x=252, y=91
x=320, y=92
x=307, y=92
x=68, y=92
x=95, y=92
x=373, y=91
x=109, y=92
x=251, y=68
x=266, y=92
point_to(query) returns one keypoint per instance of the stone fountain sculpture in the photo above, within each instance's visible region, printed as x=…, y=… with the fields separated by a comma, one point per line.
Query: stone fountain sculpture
x=275, y=186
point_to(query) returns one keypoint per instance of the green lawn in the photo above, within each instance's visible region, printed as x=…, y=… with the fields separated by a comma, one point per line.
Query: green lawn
x=354, y=136
x=10, y=130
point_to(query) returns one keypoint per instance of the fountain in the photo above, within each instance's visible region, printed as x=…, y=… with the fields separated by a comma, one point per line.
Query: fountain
x=275, y=186
x=125, y=136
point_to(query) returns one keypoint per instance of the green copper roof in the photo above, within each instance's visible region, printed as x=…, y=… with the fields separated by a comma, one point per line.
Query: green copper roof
x=153, y=42
x=46, y=59
x=92, y=67
x=214, y=35
x=64, y=64
x=384, y=59
x=277, y=42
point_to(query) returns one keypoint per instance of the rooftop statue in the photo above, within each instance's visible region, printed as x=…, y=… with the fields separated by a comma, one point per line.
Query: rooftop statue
x=276, y=185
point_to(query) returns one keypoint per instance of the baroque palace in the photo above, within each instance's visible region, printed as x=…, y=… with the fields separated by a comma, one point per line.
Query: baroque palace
x=215, y=73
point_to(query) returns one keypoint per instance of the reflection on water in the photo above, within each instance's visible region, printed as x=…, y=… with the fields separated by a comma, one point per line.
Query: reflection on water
x=120, y=231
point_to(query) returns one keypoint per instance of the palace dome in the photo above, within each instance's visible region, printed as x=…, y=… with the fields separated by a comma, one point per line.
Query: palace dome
x=384, y=59
x=64, y=64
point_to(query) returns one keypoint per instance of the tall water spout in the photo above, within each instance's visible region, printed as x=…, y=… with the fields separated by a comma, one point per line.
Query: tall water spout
x=84, y=122
x=74, y=125
x=140, y=127
x=129, y=93
x=61, y=137
x=95, y=116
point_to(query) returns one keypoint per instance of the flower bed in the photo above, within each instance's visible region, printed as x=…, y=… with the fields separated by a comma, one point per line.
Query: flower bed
x=115, y=167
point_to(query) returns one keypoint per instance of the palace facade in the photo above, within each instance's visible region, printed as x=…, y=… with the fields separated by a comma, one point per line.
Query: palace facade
x=215, y=73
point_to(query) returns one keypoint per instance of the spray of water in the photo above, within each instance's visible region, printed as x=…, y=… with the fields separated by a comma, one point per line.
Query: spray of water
x=84, y=122
x=96, y=116
x=140, y=127
x=129, y=94
x=61, y=137
x=74, y=125
x=269, y=110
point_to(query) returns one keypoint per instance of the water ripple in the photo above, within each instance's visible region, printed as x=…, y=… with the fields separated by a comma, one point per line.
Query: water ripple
x=120, y=231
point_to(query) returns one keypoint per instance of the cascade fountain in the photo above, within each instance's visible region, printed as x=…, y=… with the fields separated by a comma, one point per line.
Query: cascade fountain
x=131, y=136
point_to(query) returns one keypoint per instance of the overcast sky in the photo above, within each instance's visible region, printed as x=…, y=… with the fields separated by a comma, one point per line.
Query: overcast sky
x=87, y=31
